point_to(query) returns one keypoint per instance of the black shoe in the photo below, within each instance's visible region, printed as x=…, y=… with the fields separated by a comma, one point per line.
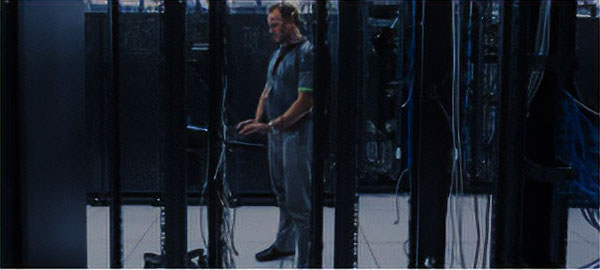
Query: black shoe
x=272, y=253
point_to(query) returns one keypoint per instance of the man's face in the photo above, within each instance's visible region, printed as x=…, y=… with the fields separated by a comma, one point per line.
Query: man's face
x=279, y=29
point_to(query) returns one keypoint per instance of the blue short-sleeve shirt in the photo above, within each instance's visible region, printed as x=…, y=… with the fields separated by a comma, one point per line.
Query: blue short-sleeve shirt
x=294, y=74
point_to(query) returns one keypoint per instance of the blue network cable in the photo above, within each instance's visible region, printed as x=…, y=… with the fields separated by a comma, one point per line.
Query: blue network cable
x=577, y=146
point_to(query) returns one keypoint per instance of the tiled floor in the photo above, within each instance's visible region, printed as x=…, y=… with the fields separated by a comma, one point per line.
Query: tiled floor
x=381, y=243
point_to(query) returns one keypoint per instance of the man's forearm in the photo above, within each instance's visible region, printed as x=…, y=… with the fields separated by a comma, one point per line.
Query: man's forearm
x=259, y=111
x=297, y=110
x=261, y=105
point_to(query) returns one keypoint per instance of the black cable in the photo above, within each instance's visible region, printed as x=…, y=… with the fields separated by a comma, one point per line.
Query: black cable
x=487, y=227
x=141, y=238
x=444, y=110
x=396, y=197
x=369, y=247
x=202, y=193
x=232, y=233
x=460, y=234
x=591, y=265
x=583, y=106
x=588, y=216
x=452, y=210
x=405, y=247
x=452, y=255
x=593, y=216
x=585, y=216
x=476, y=206
x=451, y=214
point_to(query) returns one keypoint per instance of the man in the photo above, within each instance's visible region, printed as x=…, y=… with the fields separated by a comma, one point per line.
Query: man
x=287, y=101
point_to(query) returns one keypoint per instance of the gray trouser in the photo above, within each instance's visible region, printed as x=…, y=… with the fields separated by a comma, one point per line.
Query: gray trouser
x=290, y=158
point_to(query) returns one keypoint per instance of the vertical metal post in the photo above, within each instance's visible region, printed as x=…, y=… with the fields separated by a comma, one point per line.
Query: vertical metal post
x=116, y=247
x=431, y=139
x=11, y=181
x=351, y=39
x=419, y=11
x=506, y=248
x=545, y=209
x=216, y=15
x=174, y=180
x=566, y=13
x=508, y=194
x=321, y=73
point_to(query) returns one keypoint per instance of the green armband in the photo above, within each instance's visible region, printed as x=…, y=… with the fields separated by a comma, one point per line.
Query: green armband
x=305, y=89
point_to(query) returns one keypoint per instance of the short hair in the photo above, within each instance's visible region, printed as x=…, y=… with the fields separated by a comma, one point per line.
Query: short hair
x=289, y=12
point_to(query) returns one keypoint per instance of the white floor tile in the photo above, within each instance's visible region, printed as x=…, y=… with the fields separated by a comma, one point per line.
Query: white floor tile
x=583, y=241
x=256, y=226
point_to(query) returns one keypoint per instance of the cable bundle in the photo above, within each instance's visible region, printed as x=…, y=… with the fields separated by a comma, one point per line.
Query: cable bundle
x=576, y=143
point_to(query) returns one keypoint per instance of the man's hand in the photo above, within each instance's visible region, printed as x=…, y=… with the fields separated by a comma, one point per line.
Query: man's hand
x=278, y=123
x=243, y=124
x=255, y=127
x=295, y=112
